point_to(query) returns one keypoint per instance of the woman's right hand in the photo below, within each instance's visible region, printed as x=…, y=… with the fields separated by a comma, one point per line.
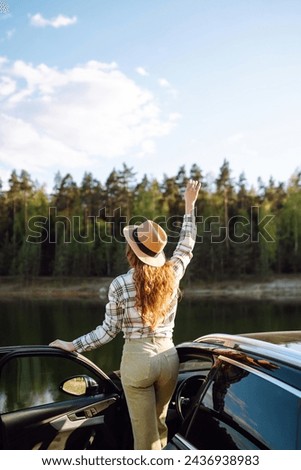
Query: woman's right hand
x=65, y=345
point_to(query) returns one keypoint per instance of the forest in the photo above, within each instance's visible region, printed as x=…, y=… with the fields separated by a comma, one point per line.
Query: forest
x=77, y=229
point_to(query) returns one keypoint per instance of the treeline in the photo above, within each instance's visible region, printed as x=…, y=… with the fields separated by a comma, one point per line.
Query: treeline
x=77, y=230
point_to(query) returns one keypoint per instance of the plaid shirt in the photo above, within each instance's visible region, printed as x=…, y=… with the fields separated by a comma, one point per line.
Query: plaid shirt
x=120, y=312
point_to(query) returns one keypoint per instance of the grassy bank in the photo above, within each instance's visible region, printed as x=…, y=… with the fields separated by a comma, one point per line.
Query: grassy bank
x=278, y=288
x=273, y=288
x=54, y=288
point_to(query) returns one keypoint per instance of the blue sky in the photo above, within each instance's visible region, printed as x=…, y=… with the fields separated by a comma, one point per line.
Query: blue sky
x=88, y=85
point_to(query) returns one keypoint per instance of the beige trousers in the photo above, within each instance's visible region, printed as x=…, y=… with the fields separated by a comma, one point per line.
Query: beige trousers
x=149, y=370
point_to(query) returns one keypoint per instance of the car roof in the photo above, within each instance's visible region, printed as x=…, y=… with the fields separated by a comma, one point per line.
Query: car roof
x=288, y=339
x=284, y=346
x=275, y=358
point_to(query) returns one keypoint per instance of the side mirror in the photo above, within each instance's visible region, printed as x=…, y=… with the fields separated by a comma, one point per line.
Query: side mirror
x=79, y=385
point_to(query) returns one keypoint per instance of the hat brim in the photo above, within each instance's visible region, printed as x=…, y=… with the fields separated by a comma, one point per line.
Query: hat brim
x=156, y=261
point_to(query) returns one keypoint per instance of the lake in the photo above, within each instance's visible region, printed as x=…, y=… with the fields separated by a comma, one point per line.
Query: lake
x=41, y=321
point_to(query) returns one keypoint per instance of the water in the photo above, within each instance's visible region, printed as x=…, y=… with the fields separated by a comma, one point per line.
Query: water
x=41, y=321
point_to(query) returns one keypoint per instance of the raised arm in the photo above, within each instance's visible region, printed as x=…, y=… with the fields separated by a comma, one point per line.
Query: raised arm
x=183, y=252
x=191, y=195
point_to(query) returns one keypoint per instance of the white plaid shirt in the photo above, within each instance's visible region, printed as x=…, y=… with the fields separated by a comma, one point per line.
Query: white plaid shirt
x=120, y=312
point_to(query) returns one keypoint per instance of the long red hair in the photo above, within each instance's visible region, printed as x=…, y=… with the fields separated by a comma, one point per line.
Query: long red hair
x=155, y=288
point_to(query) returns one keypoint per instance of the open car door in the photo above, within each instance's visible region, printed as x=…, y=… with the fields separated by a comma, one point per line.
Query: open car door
x=51, y=399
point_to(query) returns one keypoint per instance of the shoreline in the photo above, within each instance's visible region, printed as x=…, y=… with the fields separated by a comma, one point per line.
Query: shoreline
x=273, y=288
x=280, y=289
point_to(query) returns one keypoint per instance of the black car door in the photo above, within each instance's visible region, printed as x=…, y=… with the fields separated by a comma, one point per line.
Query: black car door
x=50, y=399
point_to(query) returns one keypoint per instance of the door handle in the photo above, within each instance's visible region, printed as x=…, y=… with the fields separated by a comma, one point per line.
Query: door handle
x=83, y=416
x=91, y=410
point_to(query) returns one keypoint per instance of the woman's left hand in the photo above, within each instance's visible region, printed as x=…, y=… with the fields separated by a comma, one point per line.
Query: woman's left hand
x=65, y=345
x=191, y=194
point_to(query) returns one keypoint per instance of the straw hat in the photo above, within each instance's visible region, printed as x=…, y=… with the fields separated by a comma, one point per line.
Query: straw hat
x=147, y=240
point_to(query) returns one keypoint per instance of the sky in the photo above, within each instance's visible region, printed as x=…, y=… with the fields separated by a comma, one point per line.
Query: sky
x=86, y=86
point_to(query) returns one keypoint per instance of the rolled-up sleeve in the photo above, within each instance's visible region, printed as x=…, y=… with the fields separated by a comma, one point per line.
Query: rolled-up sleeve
x=183, y=253
x=110, y=327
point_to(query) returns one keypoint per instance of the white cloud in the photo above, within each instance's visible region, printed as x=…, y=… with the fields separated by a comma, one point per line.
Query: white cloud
x=147, y=148
x=7, y=86
x=77, y=117
x=141, y=71
x=26, y=147
x=58, y=22
x=235, y=138
x=174, y=117
x=164, y=83
x=3, y=60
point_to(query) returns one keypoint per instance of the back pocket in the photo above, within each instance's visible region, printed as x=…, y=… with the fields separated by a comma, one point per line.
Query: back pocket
x=135, y=369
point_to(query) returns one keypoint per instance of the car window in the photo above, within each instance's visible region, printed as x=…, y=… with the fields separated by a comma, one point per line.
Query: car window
x=242, y=410
x=29, y=381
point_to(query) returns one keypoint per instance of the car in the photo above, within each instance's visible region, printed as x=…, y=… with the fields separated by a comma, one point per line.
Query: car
x=240, y=392
x=233, y=392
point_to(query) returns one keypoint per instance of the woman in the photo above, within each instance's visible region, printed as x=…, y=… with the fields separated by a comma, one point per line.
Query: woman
x=143, y=303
